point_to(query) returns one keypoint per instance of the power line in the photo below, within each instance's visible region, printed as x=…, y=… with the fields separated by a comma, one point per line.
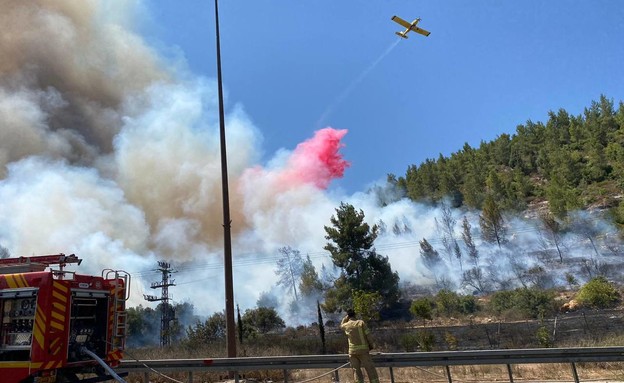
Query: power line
x=254, y=259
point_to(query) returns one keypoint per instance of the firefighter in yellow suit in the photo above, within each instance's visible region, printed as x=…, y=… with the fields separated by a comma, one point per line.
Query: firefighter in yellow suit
x=359, y=346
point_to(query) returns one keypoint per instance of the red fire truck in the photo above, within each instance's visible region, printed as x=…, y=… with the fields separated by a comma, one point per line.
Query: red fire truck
x=59, y=326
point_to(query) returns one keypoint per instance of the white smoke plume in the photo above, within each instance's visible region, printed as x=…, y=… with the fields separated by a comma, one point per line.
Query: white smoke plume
x=108, y=153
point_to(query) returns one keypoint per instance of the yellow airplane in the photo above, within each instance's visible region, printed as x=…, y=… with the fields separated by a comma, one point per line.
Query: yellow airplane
x=410, y=27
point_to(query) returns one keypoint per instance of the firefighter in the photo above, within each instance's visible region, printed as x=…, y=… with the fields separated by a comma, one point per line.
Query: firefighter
x=360, y=345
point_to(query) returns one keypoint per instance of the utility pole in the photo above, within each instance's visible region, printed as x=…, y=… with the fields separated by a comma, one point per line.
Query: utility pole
x=166, y=311
x=230, y=328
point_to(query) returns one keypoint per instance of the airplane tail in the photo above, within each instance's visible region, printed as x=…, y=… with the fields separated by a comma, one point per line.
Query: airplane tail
x=401, y=34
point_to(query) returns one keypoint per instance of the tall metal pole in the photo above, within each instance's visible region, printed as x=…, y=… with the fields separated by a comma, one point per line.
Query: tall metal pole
x=230, y=326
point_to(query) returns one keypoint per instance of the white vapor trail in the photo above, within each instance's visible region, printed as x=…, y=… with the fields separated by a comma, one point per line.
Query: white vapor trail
x=345, y=93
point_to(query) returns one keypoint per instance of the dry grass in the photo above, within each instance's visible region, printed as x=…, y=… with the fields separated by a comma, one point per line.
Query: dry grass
x=486, y=373
x=590, y=329
x=611, y=371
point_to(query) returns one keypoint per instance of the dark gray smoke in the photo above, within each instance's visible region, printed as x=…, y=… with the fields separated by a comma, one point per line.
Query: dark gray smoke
x=65, y=73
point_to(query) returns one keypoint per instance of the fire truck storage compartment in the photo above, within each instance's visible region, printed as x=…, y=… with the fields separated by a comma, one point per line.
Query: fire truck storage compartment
x=17, y=319
x=88, y=323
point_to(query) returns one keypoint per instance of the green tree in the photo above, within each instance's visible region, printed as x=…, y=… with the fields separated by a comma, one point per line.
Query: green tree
x=262, y=320
x=618, y=215
x=495, y=184
x=350, y=239
x=310, y=284
x=561, y=197
x=143, y=326
x=491, y=221
x=552, y=230
x=473, y=253
x=474, y=176
x=367, y=304
x=338, y=297
x=615, y=155
x=211, y=330
x=351, y=248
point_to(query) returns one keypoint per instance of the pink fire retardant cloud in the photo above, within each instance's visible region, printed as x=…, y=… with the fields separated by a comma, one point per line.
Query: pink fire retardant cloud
x=316, y=161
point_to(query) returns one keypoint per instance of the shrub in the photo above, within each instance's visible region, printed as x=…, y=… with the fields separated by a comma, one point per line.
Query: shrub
x=451, y=341
x=262, y=320
x=535, y=303
x=501, y=301
x=468, y=304
x=524, y=303
x=422, y=308
x=211, y=330
x=426, y=340
x=409, y=342
x=543, y=337
x=598, y=293
x=447, y=303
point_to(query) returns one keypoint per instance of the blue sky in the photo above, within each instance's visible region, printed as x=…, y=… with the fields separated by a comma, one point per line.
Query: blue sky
x=487, y=66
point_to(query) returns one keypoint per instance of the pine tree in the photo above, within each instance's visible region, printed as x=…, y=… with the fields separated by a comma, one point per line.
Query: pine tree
x=351, y=248
x=553, y=232
x=473, y=253
x=492, y=223
x=430, y=256
x=446, y=226
x=310, y=283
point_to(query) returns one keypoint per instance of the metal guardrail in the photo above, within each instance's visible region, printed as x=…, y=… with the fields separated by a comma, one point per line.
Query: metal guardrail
x=390, y=360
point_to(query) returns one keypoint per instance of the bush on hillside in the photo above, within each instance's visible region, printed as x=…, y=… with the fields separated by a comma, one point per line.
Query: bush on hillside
x=422, y=309
x=598, y=293
x=524, y=303
x=449, y=303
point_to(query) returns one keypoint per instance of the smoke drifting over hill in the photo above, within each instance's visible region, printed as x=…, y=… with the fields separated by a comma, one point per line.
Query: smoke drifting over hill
x=106, y=154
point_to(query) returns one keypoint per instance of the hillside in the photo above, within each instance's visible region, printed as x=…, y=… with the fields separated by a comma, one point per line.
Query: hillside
x=566, y=163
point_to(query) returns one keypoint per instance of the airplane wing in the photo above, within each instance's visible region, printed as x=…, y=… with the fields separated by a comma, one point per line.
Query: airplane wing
x=420, y=30
x=399, y=20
